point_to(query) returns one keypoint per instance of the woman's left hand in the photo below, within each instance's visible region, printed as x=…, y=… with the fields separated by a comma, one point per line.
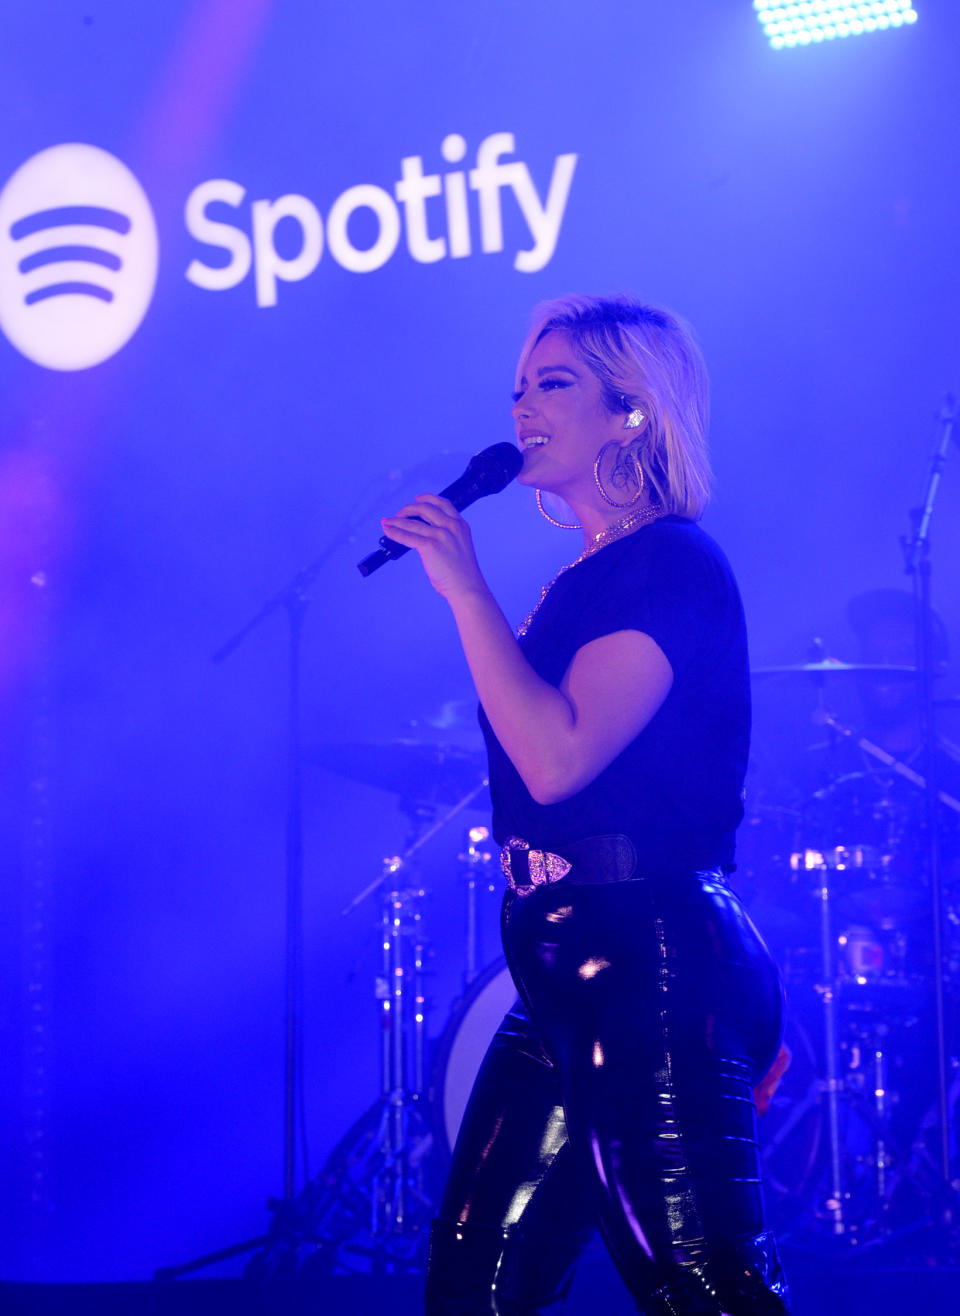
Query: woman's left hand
x=433, y=527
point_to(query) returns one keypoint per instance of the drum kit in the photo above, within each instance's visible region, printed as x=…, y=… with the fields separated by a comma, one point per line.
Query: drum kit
x=836, y=882
x=840, y=887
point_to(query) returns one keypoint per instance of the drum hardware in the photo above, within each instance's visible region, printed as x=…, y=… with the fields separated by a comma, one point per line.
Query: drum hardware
x=895, y=765
x=835, y=667
x=842, y=1153
x=790, y=1136
x=835, y=1201
x=865, y=997
x=477, y=862
x=429, y=774
x=921, y=1165
x=371, y=1205
x=934, y=799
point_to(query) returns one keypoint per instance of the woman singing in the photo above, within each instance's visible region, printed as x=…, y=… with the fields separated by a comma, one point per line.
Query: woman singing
x=619, y=1093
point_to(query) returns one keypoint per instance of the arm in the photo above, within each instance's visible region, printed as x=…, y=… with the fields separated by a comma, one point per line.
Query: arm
x=559, y=739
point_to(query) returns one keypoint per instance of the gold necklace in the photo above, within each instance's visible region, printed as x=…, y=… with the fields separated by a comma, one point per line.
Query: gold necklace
x=607, y=535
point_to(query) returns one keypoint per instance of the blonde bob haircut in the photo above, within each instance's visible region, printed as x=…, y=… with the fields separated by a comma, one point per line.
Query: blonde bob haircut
x=644, y=357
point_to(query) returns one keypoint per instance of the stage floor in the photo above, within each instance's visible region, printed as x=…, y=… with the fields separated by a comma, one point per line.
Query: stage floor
x=819, y=1289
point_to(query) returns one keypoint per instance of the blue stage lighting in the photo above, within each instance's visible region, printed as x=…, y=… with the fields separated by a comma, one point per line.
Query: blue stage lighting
x=824, y=20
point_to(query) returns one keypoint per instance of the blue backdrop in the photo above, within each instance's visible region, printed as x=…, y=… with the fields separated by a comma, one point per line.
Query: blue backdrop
x=355, y=207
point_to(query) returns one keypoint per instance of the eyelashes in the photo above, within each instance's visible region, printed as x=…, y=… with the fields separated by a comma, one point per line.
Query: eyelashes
x=547, y=385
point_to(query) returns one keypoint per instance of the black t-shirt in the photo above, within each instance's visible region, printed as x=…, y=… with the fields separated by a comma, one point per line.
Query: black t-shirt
x=676, y=790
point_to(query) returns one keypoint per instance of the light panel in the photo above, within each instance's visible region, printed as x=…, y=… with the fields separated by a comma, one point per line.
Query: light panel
x=825, y=20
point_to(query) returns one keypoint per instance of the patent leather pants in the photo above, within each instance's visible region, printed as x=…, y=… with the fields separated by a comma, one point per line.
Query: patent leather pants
x=617, y=1094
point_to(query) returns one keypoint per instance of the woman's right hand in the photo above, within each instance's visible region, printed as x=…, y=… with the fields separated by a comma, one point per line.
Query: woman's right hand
x=433, y=527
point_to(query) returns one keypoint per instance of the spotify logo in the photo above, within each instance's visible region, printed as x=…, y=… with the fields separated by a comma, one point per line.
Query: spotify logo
x=78, y=241
x=78, y=256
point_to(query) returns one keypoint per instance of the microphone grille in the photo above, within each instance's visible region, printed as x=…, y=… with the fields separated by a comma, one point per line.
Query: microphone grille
x=496, y=466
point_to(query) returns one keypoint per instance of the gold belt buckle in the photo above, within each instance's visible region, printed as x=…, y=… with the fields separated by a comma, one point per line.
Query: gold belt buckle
x=543, y=867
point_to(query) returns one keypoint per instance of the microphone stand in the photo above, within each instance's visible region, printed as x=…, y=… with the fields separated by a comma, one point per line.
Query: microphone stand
x=916, y=550
x=293, y=599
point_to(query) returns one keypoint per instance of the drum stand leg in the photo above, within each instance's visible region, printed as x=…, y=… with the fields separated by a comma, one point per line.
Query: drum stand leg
x=862, y=1090
x=835, y=1202
x=401, y=993
x=370, y=1206
x=880, y=1109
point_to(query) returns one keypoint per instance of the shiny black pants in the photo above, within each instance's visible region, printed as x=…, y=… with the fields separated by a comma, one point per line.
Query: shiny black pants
x=618, y=1095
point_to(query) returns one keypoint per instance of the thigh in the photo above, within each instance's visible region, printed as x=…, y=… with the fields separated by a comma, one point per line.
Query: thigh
x=512, y=1166
x=722, y=1019
x=659, y=1012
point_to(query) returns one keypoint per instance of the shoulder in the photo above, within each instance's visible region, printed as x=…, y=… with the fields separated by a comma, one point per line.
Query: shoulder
x=676, y=548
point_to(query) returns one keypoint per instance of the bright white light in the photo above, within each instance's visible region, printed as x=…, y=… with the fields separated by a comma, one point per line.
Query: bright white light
x=816, y=21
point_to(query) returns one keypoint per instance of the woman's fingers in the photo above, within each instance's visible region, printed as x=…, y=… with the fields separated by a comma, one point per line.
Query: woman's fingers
x=433, y=527
x=395, y=526
x=435, y=500
x=430, y=508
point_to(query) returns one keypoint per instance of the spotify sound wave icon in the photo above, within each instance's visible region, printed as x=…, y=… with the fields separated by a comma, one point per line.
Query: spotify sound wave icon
x=78, y=256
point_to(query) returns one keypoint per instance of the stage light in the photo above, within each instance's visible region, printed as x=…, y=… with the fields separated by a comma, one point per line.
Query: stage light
x=815, y=21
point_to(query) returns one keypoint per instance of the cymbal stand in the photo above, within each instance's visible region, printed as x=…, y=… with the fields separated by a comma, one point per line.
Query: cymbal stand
x=370, y=1206
x=400, y=992
x=475, y=861
x=894, y=1164
x=828, y=996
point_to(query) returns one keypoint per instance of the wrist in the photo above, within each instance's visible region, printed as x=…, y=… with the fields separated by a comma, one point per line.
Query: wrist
x=471, y=597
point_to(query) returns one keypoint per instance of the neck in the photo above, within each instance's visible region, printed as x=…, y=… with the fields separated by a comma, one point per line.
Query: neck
x=595, y=520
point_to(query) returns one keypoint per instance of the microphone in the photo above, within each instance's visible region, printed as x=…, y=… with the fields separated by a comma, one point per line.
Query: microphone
x=488, y=472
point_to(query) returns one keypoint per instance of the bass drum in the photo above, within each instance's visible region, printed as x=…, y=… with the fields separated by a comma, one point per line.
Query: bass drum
x=476, y=1017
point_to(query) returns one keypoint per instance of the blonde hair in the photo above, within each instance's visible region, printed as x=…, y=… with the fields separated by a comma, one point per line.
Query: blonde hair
x=644, y=357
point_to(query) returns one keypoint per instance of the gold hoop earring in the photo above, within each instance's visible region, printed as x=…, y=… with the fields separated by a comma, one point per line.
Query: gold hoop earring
x=561, y=525
x=612, y=502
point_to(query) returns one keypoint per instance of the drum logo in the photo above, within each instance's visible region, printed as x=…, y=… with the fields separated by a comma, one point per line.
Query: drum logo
x=78, y=256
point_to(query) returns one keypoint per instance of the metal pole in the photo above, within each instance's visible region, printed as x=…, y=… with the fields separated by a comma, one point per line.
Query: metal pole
x=828, y=991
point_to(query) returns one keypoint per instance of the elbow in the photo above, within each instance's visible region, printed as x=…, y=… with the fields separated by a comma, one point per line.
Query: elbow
x=552, y=787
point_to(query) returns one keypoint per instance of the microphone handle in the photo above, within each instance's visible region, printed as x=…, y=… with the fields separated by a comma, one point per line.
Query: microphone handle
x=389, y=550
x=461, y=493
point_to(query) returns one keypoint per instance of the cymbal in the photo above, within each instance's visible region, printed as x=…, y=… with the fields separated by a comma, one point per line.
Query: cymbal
x=426, y=773
x=834, y=667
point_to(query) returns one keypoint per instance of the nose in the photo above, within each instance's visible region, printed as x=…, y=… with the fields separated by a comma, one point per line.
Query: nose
x=521, y=409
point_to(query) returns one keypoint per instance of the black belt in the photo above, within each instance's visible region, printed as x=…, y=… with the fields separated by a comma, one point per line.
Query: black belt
x=594, y=859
